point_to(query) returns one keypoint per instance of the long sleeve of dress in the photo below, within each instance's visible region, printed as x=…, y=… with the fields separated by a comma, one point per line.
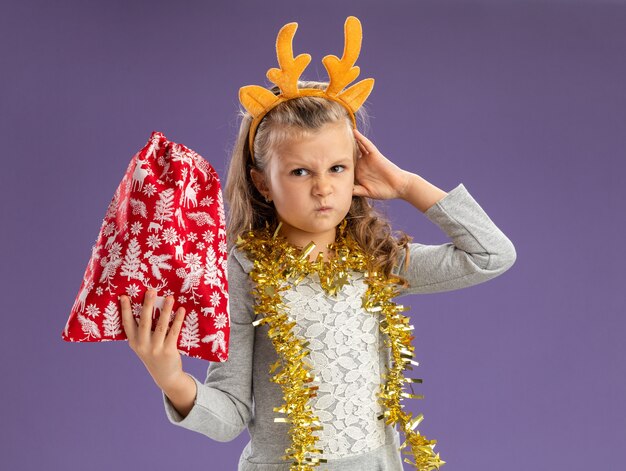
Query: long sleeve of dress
x=478, y=251
x=223, y=404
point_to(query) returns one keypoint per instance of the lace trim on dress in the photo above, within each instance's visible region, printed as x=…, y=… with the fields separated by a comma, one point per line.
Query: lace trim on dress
x=344, y=343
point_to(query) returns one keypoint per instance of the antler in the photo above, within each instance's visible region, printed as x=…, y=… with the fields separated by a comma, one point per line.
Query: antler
x=290, y=68
x=258, y=99
x=158, y=288
x=342, y=71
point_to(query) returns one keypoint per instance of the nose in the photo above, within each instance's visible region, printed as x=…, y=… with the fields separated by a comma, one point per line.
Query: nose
x=322, y=186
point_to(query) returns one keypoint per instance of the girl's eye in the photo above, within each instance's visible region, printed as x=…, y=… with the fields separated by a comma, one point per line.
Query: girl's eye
x=338, y=168
x=299, y=172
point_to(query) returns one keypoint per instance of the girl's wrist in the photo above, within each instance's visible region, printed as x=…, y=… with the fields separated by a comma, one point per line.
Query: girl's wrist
x=421, y=193
x=174, y=383
x=405, y=183
x=182, y=393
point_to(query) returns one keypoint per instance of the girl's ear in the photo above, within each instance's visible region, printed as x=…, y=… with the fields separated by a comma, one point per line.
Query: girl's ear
x=258, y=178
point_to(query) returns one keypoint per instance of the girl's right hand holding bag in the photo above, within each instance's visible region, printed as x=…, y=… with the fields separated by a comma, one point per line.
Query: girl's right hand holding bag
x=157, y=350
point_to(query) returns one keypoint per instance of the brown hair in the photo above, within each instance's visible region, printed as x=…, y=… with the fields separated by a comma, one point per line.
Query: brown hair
x=248, y=208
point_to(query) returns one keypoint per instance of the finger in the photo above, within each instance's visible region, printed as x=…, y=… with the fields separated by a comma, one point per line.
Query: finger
x=128, y=321
x=145, y=318
x=163, y=322
x=365, y=142
x=171, y=340
x=360, y=138
x=363, y=149
x=359, y=190
x=358, y=143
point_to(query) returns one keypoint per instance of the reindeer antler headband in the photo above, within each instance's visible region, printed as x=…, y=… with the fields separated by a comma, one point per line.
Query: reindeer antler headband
x=258, y=101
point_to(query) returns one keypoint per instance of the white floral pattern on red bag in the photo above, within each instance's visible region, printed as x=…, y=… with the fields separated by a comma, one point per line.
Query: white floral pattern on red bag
x=163, y=229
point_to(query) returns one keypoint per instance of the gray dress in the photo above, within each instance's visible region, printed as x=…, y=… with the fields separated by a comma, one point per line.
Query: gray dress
x=346, y=350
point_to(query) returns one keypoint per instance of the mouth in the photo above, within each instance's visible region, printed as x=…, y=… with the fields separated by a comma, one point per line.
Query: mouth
x=323, y=209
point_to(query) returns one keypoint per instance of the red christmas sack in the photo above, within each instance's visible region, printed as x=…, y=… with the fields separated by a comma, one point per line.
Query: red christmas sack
x=163, y=229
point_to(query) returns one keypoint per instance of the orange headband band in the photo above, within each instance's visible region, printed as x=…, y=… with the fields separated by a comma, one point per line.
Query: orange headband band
x=258, y=101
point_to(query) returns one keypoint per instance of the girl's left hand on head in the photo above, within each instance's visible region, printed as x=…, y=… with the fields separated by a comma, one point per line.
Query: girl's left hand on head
x=376, y=175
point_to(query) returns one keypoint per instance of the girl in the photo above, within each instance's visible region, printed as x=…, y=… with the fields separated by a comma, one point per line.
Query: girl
x=311, y=257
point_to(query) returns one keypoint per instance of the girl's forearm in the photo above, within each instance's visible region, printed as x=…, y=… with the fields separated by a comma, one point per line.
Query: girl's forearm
x=421, y=193
x=182, y=394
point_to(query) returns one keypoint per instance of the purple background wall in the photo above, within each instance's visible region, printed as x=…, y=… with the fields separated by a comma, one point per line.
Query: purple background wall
x=523, y=102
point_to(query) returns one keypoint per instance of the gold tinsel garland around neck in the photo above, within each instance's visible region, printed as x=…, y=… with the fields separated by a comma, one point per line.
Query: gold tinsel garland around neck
x=276, y=264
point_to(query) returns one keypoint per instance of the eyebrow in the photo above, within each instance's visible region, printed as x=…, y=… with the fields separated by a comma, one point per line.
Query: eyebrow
x=294, y=160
